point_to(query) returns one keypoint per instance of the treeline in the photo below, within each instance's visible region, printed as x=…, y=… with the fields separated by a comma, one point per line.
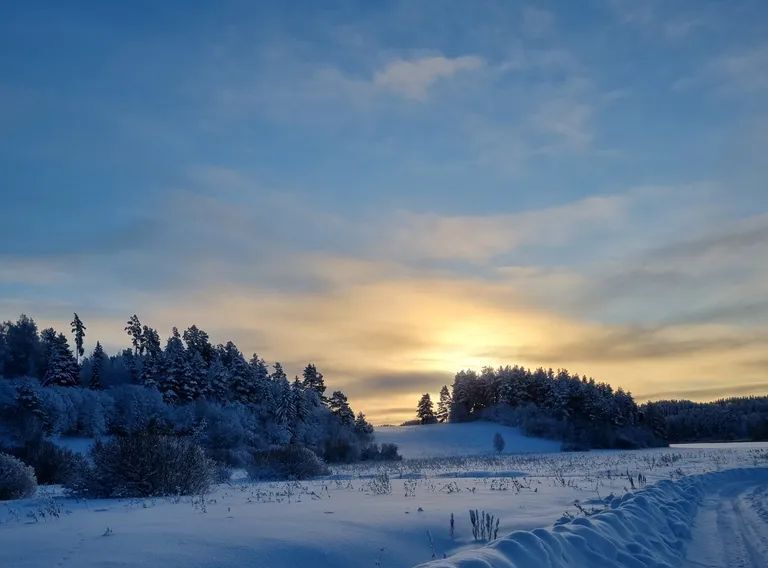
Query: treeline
x=730, y=419
x=188, y=385
x=580, y=411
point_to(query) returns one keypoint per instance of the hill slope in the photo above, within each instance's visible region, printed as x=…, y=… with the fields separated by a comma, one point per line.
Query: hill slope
x=460, y=439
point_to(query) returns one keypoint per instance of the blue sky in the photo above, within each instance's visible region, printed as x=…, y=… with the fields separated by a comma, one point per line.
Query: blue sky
x=579, y=183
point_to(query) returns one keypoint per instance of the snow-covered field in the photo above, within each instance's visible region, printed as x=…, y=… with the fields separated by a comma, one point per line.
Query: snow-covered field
x=461, y=439
x=631, y=508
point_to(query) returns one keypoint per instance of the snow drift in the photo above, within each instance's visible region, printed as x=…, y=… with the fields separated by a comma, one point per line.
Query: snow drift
x=647, y=528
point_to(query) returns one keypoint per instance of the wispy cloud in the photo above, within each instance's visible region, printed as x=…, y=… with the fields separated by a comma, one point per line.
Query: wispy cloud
x=482, y=237
x=412, y=78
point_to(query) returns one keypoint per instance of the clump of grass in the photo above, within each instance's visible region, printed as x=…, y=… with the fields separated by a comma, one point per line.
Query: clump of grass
x=485, y=527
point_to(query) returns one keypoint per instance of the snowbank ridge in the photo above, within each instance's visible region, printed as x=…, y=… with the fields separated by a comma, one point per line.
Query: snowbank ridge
x=647, y=528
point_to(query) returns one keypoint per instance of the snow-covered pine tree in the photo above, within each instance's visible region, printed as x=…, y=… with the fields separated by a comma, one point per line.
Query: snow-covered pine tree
x=150, y=341
x=443, y=405
x=425, y=410
x=79, y=330
x=98, y=359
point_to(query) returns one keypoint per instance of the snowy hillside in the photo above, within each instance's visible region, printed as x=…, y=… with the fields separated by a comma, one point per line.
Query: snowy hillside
x=461, y=439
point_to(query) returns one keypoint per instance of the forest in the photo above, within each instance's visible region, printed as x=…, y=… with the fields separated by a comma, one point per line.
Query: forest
x=232, y=406
x=585, y=413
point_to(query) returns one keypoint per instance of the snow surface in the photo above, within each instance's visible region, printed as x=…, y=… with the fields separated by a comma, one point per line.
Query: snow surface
x=461, y=439
x=647, y=528
x=348, y=520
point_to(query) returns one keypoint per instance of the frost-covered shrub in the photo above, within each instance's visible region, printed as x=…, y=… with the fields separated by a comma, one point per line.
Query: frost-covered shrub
x=145, y=464
x=17, y=480
x=136, y=407
x=52, y=464
x=286, y=462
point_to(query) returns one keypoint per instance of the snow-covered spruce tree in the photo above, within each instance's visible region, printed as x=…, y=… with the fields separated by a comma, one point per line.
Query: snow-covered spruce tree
x=197, y=341
x=339, y=406
x=259, y=382
x=174, y=369
x=301, y=411
x=425, y=410
x=61, y=368
x=98, y=359
x=363, y=428
x=217, y=385
x=284, y=410
x=313, y=379
x=443, y=405
x=242, y=387
x=78, y=329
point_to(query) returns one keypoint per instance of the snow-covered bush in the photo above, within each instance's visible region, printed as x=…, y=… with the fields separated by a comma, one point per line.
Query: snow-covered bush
x=135, y=407
x=145, y=464
x=17, y=480
x=387, y=452
x=52, y=464
x=286, y=462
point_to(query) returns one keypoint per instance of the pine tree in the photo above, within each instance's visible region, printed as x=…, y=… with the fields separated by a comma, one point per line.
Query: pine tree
x=425, y=410
x=339, y=406
x=79, y=330
x=133, y=329
x=97, y=367
x=443, y=405
x=313, y=379
x=150, y=341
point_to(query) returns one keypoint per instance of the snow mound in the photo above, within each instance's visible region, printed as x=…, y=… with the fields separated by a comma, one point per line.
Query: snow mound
x=643, y=529
x=460, y=439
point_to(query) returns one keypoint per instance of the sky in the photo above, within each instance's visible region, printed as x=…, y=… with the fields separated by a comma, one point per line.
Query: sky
x=398, y=190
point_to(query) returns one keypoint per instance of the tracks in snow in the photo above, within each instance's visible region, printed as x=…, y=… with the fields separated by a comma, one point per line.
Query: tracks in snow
x=731, y=528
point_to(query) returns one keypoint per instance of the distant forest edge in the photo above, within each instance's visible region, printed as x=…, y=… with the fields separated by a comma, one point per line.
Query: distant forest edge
x=584, y=413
